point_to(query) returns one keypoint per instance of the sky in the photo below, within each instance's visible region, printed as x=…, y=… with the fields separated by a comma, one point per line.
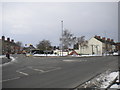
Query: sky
x=31, y=22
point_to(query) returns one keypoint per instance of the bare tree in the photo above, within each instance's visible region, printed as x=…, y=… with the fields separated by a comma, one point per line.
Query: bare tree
x=19, y=43
x=67, y=39
x=82, y=42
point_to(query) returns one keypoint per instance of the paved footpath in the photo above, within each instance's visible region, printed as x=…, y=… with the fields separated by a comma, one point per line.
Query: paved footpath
x=4, y=60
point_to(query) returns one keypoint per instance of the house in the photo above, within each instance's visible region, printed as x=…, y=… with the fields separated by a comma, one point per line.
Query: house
x=73, y=53
x=28, y=49
x=118, y=47
x=0, y=46
x=98, y=45
x=8, y=46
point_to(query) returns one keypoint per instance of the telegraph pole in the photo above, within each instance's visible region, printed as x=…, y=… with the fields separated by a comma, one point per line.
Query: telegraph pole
x=62, y=35
x=105, y=44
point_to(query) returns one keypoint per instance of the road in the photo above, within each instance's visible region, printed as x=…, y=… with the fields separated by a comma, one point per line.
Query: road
x=54, y=72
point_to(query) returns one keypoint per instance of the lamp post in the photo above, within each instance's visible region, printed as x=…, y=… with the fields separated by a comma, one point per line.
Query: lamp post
x=62, y=36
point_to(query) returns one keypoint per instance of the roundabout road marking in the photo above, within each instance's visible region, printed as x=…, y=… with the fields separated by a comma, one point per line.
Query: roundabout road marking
x=10, y=79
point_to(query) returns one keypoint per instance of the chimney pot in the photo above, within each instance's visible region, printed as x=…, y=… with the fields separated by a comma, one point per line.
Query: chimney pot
x=8, y=39
x=3, y=37
x=112, y=40
x=103, y=38
x=98, y=37
x=12, y=41
x=108, y=39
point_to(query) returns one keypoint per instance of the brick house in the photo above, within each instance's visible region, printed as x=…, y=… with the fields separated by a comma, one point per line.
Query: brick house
x=9, y=46
x=118, y=47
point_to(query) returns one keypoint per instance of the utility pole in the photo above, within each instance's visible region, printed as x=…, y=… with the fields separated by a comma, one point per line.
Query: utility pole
x=62, y=35
x=105, y=45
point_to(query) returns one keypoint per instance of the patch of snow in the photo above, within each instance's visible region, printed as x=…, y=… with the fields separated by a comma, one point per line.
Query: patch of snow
x=115, y=86
x=64, y=54
x=115, y=53
x=28, y=54
x=45, y=55
x=13, y=59
x=103, y=80
x=91, y=55
x=108, y=79
x=3, y=56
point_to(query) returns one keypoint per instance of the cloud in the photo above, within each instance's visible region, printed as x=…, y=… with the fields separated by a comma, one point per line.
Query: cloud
x=37, y=21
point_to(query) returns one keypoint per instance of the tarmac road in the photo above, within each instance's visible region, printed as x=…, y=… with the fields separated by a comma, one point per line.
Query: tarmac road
x=54, y=72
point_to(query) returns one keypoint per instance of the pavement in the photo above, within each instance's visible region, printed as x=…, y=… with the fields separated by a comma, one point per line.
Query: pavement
x=54, y=72
x=4, y=59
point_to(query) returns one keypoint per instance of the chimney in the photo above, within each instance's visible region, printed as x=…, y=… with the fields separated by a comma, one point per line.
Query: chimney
x=108, y=39
x=8, y=39
x=95, y=36
x=112, y=40
x=103, y=38
x=98, y=37
x=3, y=37
x=12, y=41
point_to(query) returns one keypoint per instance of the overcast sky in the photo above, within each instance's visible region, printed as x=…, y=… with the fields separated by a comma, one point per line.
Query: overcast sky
x=32, y=22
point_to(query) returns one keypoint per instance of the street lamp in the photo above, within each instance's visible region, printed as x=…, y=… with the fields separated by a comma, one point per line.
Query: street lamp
x=62, y=35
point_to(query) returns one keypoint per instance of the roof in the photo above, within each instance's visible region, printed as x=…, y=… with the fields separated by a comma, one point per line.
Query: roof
x=118, y=43
x=73, y=52
x=104, y=41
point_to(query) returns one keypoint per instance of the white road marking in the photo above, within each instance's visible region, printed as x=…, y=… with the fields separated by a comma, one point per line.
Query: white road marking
x=53, y=69
x=16, y=57
x=10, y=79
x=67, y=60
x=35, y=69
x=28, y=74
x=72, y=60
x=43, y=71
x=39, y=70
x=22, y=73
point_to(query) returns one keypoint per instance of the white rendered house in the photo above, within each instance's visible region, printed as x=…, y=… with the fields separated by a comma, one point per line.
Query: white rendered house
x=97, y=45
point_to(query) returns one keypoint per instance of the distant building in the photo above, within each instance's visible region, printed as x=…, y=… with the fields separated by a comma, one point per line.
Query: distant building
x=0, y=46
x=118, y=47
x=29, y=48
x=98, y=45
x=73, y=53
x=8, y=46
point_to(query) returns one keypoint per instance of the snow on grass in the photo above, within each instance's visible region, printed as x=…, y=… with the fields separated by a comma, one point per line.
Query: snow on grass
x=115, y=86
x=4, y=56
x=107, y=80
x=103, y=80
x=90, y=55
x=45, y=55
x=28, y=54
